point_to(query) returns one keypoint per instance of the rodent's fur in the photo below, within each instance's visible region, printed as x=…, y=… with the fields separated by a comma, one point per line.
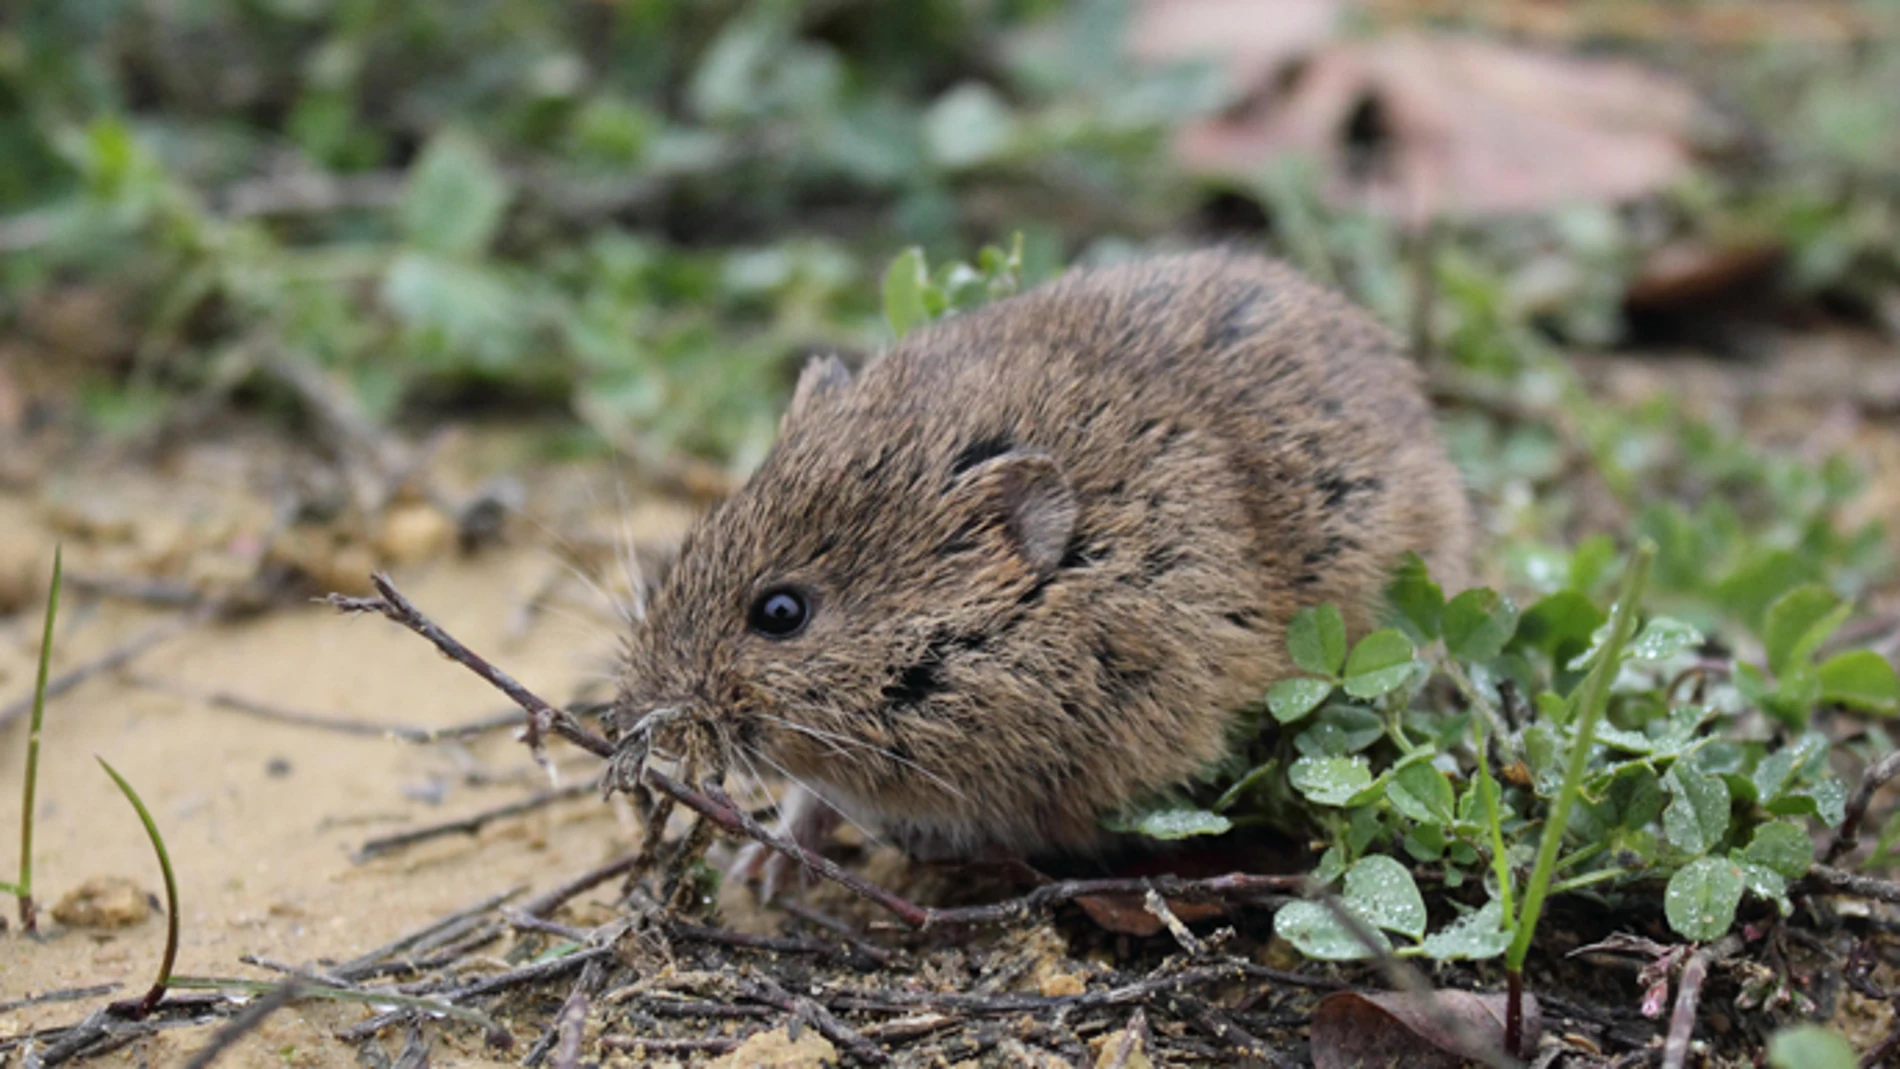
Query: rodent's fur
x=1053, y=545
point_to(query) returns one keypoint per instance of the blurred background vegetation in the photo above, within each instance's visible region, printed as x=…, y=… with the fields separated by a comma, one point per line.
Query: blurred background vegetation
x=633, y=218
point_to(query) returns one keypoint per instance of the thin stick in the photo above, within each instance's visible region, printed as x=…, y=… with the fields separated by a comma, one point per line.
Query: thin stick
x=323, y=722
x=776, y=943
x=108, y=661
x=548, y=901
x=638, y=1045
x=1872, y=780
x=1688, y=994
x=998, y=1005
x=65, y=994
x=765, y=990
x=563, y=1037
x=244, y=1024
x=300, y=972
x=357, y=967
x=542, y=717
x=1233, y=886
x=473, y=823
x=1133, y=1036
x=528, y=922
x=722, y=811
x=1826, y=878
x=881, y=955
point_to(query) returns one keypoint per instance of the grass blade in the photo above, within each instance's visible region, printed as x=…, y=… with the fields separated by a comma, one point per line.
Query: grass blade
x=1591, y=703
x=29, y=914
x=145, y=1005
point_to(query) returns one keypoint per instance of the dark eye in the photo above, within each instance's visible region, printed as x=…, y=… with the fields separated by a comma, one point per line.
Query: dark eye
x=779, y=613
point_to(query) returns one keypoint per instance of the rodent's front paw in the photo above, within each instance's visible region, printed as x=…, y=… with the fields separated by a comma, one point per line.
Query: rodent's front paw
x=804, y=820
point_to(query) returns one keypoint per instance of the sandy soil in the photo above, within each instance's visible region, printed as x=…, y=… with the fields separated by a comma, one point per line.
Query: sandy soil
x=261, y=818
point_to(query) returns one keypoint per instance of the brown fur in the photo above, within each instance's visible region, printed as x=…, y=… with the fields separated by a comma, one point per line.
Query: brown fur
x=1053, y=546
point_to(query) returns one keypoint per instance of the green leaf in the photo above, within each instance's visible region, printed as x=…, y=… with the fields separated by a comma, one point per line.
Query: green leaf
x=1181, y=824
x=1472, y=937
x=454, y=199
x=1811, y=1046
x=1380, y=663
x=904, y=285
x=1764, y=883
x=1861, y=679
x=1422, y=793
x=1701, y=898
x=1560, y=625
x=1782, y=846
x=1332, y=865
x=1339, y=730
x=1663, y=638
x=1750, y=591
x=461, y=313
x=968, y=126
x=1316, y=638
x=1477, y=625
x=1330, y=780
x=1798, y=622
x=1775, y=772
x=1291, y=699
x=1380, y=889
x=1697, y=817
x=1316, y=933
x=1590, y=561
x=1418, y=603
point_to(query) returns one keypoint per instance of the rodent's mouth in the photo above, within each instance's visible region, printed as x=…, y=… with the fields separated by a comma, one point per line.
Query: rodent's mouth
x=674, y=735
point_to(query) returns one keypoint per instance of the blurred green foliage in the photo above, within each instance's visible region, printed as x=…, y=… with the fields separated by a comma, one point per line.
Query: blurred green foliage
x=644, y=213
x=645, y=209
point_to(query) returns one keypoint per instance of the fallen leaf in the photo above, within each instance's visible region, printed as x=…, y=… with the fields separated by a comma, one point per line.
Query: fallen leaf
x=1253, y=40
x=1386, y=1028
x=1685, y=272
x=1126, y=915
x=1414, y=125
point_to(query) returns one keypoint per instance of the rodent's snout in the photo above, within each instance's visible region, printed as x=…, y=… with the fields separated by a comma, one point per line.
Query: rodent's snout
x=676, y=734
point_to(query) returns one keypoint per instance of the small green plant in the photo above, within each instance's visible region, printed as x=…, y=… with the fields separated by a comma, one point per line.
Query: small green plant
x=23, y=890
x=146, y=1004
x=914, y=296
x=1589, y=749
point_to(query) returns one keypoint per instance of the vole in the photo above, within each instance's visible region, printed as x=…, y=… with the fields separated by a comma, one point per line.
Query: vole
x=1025, y=568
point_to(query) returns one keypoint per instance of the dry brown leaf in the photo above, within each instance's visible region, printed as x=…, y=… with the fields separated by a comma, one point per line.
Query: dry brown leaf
x=1417, y=125
x=1252, y=40
x=1126, y=915
x=1386, y=1028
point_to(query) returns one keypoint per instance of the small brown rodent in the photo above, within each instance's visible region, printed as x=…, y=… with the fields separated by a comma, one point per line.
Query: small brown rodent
x=1026, y=567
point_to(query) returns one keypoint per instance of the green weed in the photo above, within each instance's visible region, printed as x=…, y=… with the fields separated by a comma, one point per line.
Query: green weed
x=146, y=1004
x=23, y=890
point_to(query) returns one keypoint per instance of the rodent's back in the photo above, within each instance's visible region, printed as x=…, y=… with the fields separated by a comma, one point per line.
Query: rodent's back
x=1052, y=546
x=1143, y=378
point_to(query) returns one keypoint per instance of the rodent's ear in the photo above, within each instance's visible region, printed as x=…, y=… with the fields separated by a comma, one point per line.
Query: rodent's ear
x=1037, y=505
x=823, y=375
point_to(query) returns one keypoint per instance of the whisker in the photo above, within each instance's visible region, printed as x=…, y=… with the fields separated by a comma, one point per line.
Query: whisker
x=566, y=553
x=834, y=740
x=624, y=553
x=820, y=795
